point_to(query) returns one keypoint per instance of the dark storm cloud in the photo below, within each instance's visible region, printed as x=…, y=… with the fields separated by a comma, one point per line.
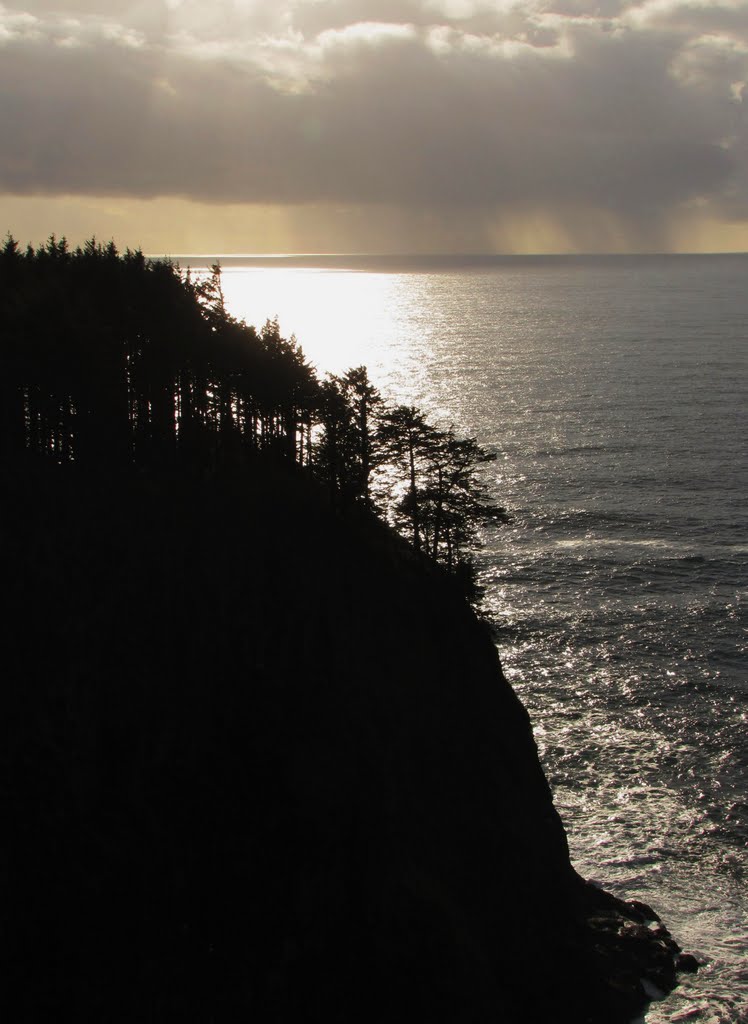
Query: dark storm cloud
x=445, y=103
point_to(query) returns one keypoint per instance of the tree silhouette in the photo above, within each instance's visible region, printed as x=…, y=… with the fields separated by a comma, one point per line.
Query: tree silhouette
x=406, y=439
x=441, y=500
x=119, y=360
x=347, y=450
x=115, y=362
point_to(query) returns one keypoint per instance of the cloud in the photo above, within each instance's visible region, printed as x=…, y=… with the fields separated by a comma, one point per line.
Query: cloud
x=465, y=109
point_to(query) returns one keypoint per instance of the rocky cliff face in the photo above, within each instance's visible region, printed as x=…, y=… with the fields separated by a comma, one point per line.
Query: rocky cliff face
x=265, y=764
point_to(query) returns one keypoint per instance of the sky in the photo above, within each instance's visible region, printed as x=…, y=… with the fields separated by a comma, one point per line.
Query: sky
x=376, y=125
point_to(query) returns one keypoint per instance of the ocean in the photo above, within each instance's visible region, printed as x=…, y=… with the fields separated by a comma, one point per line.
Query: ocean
x=613, y=390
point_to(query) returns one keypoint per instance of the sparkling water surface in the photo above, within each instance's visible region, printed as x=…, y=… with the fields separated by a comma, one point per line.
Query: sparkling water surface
x=613, y=391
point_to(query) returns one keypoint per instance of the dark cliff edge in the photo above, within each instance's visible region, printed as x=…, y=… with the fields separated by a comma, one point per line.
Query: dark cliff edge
x=264, y=765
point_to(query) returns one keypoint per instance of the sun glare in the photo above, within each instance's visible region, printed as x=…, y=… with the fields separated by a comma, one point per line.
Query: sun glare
x=337, y=327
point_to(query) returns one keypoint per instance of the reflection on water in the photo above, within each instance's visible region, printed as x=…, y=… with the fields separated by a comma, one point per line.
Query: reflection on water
x=389, y=322
x=620, y=587
x=342, y=319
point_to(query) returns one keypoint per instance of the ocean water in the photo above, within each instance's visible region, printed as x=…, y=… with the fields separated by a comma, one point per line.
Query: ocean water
x=614, y=392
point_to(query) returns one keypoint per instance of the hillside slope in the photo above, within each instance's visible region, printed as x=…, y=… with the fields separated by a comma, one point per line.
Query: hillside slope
x=264, y=765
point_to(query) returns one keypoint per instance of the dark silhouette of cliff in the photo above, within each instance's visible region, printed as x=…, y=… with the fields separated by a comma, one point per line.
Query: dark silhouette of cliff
x=264, y=765
x=260, y=759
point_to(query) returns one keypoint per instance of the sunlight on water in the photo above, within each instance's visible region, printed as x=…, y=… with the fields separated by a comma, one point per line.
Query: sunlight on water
x=342, y=319
x=391, y=323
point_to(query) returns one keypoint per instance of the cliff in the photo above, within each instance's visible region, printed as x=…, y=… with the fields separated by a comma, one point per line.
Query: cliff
x=264, y=764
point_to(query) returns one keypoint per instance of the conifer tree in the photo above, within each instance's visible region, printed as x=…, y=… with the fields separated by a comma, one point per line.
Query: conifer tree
x=365, y=404
x=406, y=440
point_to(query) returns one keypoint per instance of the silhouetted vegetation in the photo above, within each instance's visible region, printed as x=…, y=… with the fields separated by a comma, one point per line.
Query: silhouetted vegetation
x=114, y=361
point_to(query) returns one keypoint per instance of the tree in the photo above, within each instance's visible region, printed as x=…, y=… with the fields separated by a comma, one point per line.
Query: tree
x=406, y=439
x=441, y=499
x=332, y=451
x=365, y=404
x=456, y=499
x=209, y=292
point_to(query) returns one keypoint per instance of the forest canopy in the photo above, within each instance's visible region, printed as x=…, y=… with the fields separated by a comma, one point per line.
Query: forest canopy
x=113, y=361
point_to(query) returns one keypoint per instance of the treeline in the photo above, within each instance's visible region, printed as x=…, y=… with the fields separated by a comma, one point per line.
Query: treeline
x=111, y=360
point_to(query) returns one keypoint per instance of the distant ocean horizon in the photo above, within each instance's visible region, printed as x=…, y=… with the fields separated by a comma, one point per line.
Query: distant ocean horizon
x=613, y=391
x=391, y=262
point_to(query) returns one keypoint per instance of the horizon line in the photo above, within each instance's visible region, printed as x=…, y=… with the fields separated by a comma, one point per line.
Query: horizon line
x=374, y=254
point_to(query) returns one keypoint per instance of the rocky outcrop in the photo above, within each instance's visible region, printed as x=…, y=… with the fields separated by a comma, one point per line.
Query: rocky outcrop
x=266, y=765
